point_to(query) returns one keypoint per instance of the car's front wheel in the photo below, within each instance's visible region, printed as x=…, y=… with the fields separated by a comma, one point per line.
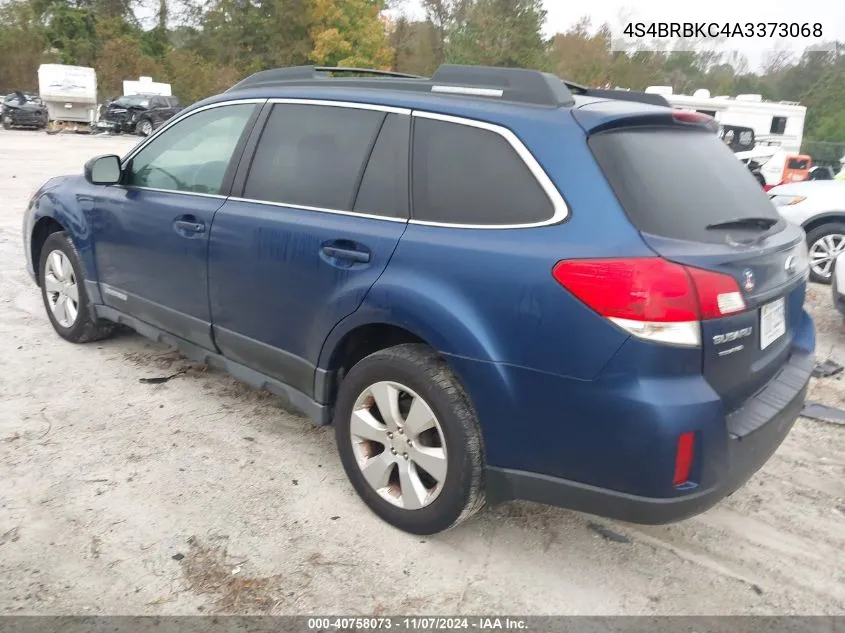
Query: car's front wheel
x=824, y=243
x=409, y=440
x=145, y=127
x=63, y=292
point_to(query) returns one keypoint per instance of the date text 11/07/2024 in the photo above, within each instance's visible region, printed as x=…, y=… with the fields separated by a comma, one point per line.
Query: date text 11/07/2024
x=716, y=30
x=402, y=624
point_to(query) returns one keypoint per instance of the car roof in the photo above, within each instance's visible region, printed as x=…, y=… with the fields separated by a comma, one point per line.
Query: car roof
x=506, y=113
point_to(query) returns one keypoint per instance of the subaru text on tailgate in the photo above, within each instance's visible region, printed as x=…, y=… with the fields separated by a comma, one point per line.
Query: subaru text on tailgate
x=495, y=284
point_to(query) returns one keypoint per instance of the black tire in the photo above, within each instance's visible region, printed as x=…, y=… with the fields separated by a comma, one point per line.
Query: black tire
x=86, y=327
x=816, y=234
x=420, y=369
x=7, y=123
x=760, y=179
x=139, y=127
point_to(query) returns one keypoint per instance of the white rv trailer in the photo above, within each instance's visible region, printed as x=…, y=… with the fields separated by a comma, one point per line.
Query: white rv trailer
x=775, y=123
x=146, y=86
x=70, y=94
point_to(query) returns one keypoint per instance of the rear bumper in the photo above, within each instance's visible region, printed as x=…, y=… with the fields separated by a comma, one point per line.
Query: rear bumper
x=746, y=455
x=607, y=446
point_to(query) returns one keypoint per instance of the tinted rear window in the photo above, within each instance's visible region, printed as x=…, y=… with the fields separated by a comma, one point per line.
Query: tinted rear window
x=384, y=188
x=673, y=183
x=312, y=155
x=468, y=175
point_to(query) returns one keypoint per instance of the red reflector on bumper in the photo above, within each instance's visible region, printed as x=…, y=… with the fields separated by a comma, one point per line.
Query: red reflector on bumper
x=683, y=458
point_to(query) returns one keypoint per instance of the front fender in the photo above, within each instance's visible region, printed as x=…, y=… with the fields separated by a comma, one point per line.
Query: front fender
x=820, y=218
x=66, y=202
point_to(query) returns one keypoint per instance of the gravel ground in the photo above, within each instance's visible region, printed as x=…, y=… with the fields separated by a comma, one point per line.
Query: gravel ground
x=203, y=495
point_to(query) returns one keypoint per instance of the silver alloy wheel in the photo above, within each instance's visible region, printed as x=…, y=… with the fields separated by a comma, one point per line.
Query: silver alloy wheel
x=398, y=445
x=824, y=251
x=61, y=288
x=146, y=127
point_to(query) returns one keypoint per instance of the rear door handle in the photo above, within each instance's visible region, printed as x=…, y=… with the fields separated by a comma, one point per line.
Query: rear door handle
x=346, y=253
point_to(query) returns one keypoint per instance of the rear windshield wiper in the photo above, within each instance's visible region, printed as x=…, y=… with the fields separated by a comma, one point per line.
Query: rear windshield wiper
x=745, y=223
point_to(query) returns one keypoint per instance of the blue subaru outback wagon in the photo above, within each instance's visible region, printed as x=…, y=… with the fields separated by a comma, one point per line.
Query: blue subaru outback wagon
x=494, y=283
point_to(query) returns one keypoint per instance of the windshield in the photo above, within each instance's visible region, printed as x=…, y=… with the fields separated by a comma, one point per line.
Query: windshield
x=22, y=99
x=675, y=183
x=136, y=101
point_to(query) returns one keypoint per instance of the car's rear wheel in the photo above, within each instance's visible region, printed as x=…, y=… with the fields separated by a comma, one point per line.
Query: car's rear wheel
x=824, y=243
x=63, y=292
x=409, y=440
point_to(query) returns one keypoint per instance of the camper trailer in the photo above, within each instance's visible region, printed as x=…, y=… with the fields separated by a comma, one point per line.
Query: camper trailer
x=145, y=86
x=779, y=125
x=70, y=94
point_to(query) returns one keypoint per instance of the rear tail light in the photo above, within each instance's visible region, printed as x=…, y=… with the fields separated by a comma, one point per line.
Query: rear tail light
x=683, y=458
x=650, y=297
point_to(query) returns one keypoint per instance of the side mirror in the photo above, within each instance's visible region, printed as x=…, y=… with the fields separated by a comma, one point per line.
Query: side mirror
x=103, y=170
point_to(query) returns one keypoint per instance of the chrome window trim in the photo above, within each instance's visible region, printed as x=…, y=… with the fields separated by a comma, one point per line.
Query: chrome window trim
x=174, y=191
x=334, y=103
x=560, y=209
x=302, y=207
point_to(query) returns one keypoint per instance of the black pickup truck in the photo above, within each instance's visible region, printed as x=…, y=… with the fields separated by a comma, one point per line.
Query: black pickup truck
x=139, y=114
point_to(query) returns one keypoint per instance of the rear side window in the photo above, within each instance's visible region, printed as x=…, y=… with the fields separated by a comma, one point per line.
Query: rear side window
x=674, y=183
x=384, y=189
x=312, y=155
x=468, y=175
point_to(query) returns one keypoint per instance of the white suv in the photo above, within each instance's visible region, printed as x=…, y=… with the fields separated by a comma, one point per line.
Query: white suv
x=819, y=207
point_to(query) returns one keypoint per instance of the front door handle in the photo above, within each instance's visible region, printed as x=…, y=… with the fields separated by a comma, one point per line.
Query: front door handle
x=346, y=253
x=188, y=226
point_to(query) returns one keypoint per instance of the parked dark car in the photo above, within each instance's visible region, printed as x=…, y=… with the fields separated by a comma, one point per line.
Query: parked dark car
x=139, y=114
x=495, y=285
x=23, y=109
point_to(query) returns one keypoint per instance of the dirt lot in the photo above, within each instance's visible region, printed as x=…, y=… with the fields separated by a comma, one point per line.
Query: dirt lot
x=203, y=495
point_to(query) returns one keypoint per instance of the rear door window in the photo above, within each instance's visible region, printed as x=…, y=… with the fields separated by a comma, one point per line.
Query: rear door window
x=675, y=183
x=463, y=174
x=384, y=188
x=312, y=155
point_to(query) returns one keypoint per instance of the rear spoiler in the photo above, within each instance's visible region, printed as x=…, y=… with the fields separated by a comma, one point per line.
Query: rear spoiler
x=619, y=95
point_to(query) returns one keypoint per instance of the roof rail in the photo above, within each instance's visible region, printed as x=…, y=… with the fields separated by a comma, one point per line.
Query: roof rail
x=298, y=73
x=507, y=84
x=511, y=84
x=620, y=95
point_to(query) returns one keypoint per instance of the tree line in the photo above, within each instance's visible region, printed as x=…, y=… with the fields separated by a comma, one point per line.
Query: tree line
x=202, y=47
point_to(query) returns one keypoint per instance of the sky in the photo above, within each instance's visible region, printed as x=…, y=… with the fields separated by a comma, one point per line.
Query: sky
x=561, y=14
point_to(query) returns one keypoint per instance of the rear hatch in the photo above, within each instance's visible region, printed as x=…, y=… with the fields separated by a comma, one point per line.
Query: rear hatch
x=696, y=205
